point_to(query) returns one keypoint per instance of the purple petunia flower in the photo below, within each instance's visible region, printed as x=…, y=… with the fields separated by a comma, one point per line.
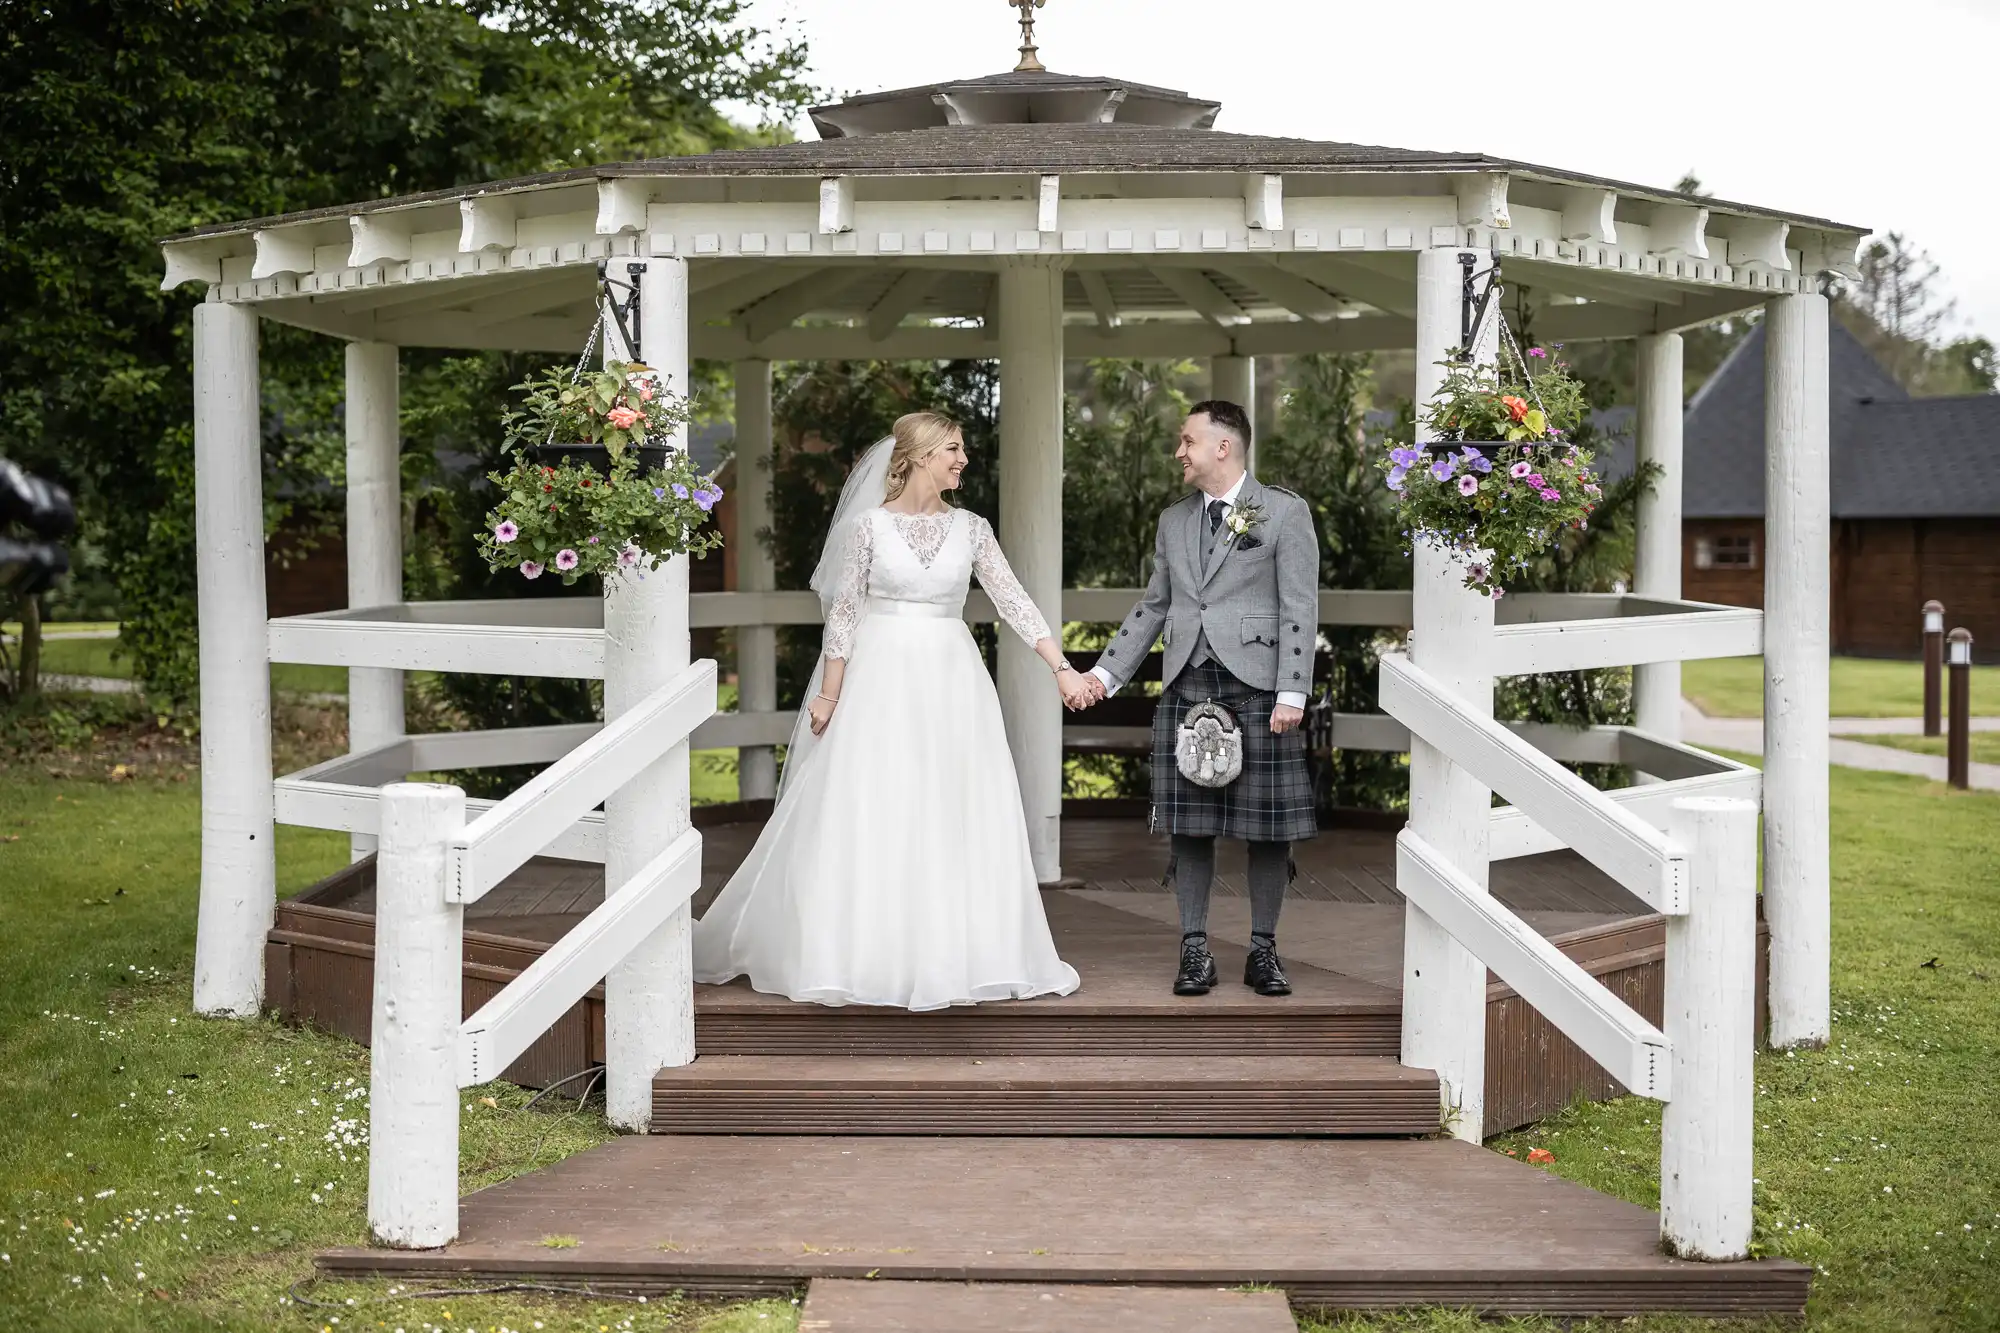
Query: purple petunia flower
x=566, y=559
x=1406, y=458
x=659, y=492
x=1396, y=475
x=593, y=541
x=706, y=499
x=1476, y=461
x=680, y=491
x=506, y=532
x=1476, y=570
x=531, y=569
x=1468, y=484
x=1443, y=468
x=1520, y=470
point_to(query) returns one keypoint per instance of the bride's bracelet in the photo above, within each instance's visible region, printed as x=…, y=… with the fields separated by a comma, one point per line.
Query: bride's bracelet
x=828, y=697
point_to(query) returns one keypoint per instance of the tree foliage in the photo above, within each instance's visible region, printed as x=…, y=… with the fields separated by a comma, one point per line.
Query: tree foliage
x=1900, y=313
x=123, y=121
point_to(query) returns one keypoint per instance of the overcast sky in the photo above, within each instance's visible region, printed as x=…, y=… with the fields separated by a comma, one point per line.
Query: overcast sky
x=1878, y=115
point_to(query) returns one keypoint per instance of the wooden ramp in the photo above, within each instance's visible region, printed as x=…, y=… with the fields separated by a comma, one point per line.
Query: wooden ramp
x=842, y=1305
x=1334, y=1223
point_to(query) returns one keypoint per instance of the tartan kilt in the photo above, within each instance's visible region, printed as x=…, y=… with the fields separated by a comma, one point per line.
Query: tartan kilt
x=1270, y=801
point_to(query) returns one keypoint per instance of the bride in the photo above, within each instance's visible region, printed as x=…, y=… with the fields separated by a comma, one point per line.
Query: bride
x=894, y=869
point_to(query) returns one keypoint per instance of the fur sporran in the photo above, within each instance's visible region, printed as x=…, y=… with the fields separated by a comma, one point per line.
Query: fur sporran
x=1208, y=747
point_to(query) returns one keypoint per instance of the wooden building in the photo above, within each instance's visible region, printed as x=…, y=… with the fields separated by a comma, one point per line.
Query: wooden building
x=1915, y=501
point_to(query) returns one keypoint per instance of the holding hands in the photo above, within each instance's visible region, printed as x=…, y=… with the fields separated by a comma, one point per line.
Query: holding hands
x=1078, y=691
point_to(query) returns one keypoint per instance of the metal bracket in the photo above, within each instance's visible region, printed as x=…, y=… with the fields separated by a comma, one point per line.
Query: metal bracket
x=625, y=312
x=1473, y=302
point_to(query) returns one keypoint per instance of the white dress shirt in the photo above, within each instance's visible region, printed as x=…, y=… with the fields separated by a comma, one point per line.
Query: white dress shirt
x=1286, y=698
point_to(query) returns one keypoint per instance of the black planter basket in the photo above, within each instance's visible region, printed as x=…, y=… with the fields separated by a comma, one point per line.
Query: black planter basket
x=598, y=458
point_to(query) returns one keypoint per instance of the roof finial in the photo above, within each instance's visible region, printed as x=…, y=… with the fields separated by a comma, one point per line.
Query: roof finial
x=1028, y=58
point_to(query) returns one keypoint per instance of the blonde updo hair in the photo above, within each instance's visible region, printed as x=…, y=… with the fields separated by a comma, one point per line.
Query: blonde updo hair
x=918, y=435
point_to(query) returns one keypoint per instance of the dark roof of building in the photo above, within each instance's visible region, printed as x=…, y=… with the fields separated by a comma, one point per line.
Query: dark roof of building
x=1894, y=456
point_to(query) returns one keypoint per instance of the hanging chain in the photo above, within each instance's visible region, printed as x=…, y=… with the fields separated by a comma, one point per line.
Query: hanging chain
x=589, y=346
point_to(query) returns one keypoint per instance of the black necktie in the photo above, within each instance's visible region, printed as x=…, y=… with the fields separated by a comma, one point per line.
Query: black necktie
x=1215, y=508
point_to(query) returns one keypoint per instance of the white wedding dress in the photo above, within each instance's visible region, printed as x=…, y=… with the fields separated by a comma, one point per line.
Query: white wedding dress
x=895, y=868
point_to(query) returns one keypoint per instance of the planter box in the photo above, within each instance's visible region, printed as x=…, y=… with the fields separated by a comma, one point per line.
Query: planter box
x=597, y=458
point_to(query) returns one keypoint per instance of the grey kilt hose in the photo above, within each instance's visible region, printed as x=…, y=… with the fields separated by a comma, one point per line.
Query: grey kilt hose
x=1270, y=801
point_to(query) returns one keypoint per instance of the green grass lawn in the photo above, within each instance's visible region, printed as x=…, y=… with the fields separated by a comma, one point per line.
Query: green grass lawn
x=166, y=1172
x=1984, y=747
x=100, y=657
x=1862, y=687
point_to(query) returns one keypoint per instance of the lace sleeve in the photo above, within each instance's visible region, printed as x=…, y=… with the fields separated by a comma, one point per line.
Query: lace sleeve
x=1010, y=599
x=850, y=589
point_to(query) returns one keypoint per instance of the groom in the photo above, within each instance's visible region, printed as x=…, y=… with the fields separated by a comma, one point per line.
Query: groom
x=1235, y=589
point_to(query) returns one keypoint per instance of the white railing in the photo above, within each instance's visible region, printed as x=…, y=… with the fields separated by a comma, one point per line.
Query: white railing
x=1687, y=846
x=431, y=863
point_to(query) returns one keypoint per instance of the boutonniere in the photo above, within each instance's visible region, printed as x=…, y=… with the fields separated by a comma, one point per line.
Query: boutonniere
x=1241, y=519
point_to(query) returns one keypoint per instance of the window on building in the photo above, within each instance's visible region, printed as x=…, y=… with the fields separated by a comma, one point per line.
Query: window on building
x=1732, y=551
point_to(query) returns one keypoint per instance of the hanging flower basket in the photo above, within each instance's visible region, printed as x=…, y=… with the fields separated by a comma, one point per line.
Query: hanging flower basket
x=1499, y=480
x=607, y=502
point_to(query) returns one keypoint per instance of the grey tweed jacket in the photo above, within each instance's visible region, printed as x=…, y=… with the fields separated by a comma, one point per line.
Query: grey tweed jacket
x=1255, y=598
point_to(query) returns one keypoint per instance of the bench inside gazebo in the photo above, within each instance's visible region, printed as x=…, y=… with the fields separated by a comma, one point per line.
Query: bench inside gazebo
x=1458, y=974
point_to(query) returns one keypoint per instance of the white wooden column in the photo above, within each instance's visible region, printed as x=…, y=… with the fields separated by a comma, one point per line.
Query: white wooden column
x=374, y=539
x=1797, y=640
x=415, y=1011
x=1444, y=985
x=1710, y=1020
x=649, y=998
x=1656, y=686
x=238, y=872
x=1031, y=423
x=756, y=645
x=1234, y=379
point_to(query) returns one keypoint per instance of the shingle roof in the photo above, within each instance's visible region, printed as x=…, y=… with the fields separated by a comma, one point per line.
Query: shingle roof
x=1026, y=148
x=1893, y=456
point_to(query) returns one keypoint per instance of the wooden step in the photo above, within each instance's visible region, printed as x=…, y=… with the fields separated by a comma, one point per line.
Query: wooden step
x=843, y=1305
x=1337, y=1223
x=1064, y=1095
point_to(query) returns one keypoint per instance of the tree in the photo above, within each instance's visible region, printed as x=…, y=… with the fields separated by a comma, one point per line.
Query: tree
x=122, y=121
x=1899, y=312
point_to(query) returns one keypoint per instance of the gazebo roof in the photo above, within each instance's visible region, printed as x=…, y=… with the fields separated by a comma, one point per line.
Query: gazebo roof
x=884, y=237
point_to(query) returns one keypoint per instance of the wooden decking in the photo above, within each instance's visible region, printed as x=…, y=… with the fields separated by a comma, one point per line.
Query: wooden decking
x=1335, y=1223
x=1043, y=1159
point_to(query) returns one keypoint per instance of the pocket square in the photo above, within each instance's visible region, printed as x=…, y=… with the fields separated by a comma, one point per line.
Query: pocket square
x=1248, y=542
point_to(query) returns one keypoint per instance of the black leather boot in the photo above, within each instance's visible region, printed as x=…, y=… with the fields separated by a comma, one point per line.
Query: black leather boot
x=1197, y=975
x=1262, y=971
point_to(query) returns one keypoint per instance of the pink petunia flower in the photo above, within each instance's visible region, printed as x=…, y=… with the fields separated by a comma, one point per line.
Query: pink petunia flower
x=531, y=569
x=621, y=417
x=628, y=556
x=1468, y=485
x=565, y=559
x=506, y=532
x=1520, y=470
x=1548, y=493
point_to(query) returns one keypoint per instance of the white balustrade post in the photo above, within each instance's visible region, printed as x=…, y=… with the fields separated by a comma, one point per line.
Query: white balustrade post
x=1711, y=1022
x=1797, y=641
x=413, y=1040
x=1444, y=984
x=238, y=869
x=756, y=645
x=374, y=539
x=1234, y=380
x=1031, y=477
x=1656, y=686
x=649, y=998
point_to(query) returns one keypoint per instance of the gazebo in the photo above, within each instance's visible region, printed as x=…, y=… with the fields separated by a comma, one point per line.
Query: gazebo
x=1031, y=217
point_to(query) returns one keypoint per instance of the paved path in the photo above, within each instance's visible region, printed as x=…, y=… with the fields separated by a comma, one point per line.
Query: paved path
x=1746, y=735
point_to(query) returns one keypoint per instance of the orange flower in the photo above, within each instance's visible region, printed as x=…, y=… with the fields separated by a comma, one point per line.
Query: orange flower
x=1516, y=407
x=1540, y=1156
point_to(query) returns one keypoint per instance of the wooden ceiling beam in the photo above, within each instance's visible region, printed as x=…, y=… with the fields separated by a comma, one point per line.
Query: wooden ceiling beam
x=1202, y=296
x=905, y=294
